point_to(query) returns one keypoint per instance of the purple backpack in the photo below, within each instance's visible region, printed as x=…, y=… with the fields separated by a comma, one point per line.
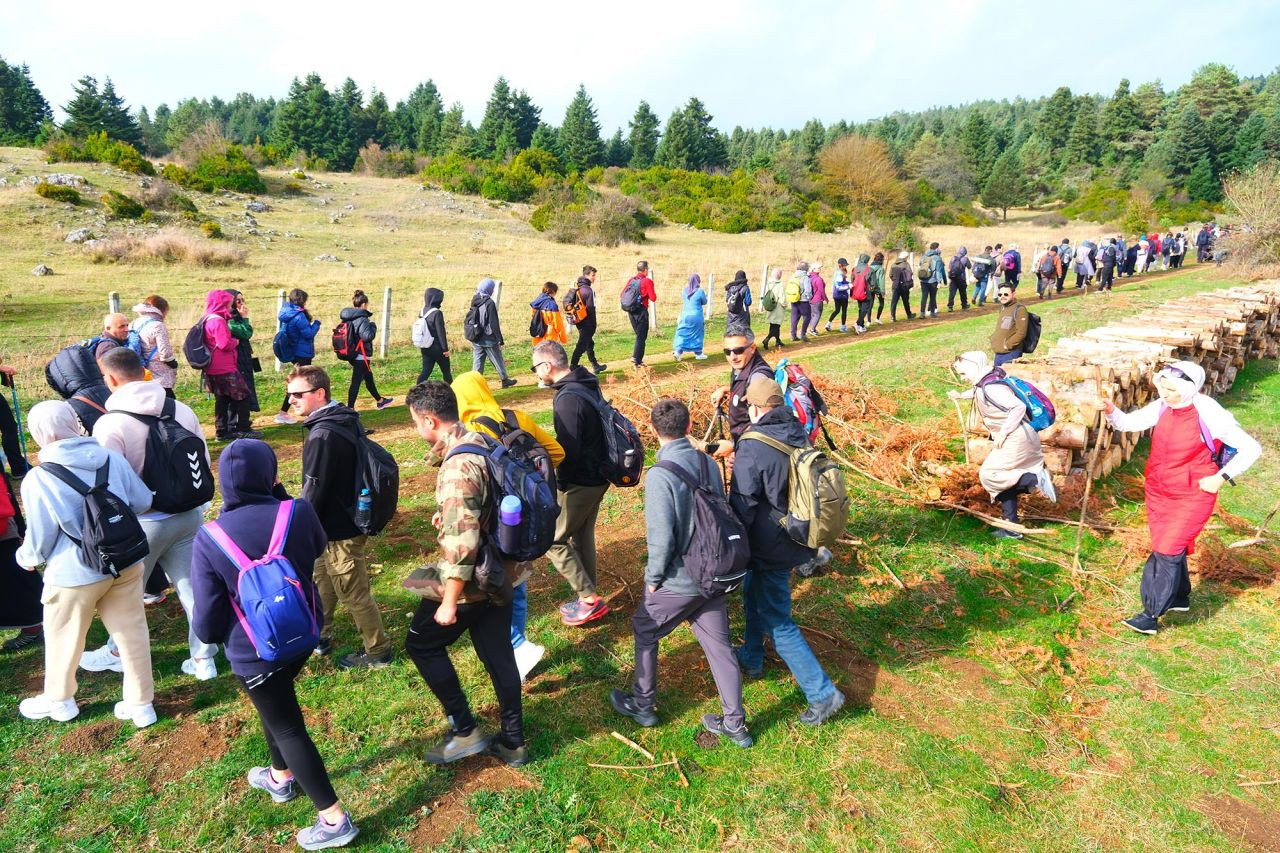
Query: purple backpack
x=270, y=601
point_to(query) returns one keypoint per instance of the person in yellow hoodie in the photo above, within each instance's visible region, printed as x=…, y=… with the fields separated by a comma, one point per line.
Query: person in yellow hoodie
x=475, y=405
x=547, y=319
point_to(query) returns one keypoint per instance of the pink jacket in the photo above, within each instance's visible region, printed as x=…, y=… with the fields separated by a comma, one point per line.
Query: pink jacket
x=217, y=335
x=819, y=288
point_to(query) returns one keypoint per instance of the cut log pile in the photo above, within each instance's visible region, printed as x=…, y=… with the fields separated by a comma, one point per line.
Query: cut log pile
x=1220, y=330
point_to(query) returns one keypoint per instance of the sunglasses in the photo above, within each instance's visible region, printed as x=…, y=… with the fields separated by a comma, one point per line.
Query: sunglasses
x=736, y=350
x=539, y=364
x=1174, y=372
x=293, y=395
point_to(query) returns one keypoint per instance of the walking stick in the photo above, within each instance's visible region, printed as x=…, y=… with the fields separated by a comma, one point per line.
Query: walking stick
x=1076, y=565
x=17, y=414
x=964, y=429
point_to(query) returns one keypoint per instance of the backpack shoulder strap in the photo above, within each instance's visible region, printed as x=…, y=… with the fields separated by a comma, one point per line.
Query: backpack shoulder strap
x=498, y=429
x=225, y=544
x=681, y=474
x=767, y=440
x=279, y=533
x=65, y=476
x=512, y=421
x=103, y=473
x=90, y=403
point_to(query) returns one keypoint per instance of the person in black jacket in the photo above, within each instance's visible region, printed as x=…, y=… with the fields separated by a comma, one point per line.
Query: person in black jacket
x=587, y=325
x=758, y=493
x=438, y=352
x=18, y=465
x=251, y=500
x=745, y=363
x=902, y=279
x=486, y=332
x=328, y=477
x=364, y=330
x=580, y=431
x=242, y=330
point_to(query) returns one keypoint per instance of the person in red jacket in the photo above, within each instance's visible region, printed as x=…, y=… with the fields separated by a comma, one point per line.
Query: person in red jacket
x=639, y=314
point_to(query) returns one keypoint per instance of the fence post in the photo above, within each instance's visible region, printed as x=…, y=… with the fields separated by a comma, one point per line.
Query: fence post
x=764, y=282
x=279, y=325
x=709, y=311
x=113, y=302
x=386, y=322
x=497, y=292
x=653, y=306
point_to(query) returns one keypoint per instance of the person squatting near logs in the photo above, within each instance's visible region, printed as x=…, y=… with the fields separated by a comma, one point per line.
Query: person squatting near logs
x=1016, y=463
x=1196, y=446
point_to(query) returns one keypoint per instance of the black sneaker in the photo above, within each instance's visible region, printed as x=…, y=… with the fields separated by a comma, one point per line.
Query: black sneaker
x=324, y=648
x=358, y=660
x=1001, y=533
x=714, y=723
x=22, y=641
x=507, y=383
x=1142, y=623
x=517, y=756
x=1180, y=606
x=819, y=712
x=249, y=433
x=625, y=704
x=456, y=747
x=599, y=368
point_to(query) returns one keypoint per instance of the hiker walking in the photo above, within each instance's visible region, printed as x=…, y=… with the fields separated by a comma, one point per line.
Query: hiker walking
x=483, y=329
x=433, y=342
x=983, y=266
x=582, y=311
x=737, y=297
x=774, y=302
x=902, y=281
x=692, y=323
x=817, y=298
x=799, y=294
x=361, y=334
x=547, y=323
x=745, y=364
x=876, y=285
x=637, y=294
x=957, y=283
x=931, y=274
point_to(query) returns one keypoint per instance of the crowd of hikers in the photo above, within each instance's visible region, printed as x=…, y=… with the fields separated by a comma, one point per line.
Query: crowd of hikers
x=116, y=509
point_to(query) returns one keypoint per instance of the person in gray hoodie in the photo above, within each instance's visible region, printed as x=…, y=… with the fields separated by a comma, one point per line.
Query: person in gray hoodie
x=73, y=591
x=929, y=287
x=671, y=597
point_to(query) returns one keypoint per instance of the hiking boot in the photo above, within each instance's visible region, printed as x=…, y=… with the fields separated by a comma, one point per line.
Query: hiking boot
x=101, y=660
x=813, y=566
x=625, y=704
x=249, y=433
x=281, y=792
x=1001, y=533
x=357, y=660
x=323, y=835
x=599, y=368
x=1182, y=606
x=1142, y=623
x=42, y=708
x=512, y=756
x=142, y=715
x=456, y=747
x=204, y=669
x=714, y=723
x=22, y=641
x=818, y=713
x=386, y=401
x=507, y=383
x=323, y=648
x=527, y=656
x=580, y=612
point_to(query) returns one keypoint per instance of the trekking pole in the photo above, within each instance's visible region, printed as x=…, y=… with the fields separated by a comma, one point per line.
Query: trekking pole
x=964, y=429
x=17, y=414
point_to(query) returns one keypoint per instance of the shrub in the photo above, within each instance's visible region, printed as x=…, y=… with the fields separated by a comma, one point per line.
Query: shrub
x=1052, y=219
x=1100, y=202
x=211, y=229
x=161, y=196
x=298, y=174
x=896, y=236
x=170, y=245
x=823, y=219
x=783, y=220
x=121, y=206
x=229, y=169
x=594, y=175
x=606, y=220
x=291, y=188
x=390, y=162
x=57, y=192
x=1255, y=196
x=98, y=148
x=1139, y=213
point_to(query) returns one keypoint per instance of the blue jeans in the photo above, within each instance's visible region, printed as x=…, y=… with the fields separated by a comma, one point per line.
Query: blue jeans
x=519, y=614
x=491, y=351
x=766, y=601
x=1006, y=357
x=980, y=290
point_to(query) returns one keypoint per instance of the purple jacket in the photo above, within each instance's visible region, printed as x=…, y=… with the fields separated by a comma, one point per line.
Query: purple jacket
x=819, y=288
x=217, y=335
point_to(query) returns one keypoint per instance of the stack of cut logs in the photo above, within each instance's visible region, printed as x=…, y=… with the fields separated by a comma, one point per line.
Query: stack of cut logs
x=1220, y=330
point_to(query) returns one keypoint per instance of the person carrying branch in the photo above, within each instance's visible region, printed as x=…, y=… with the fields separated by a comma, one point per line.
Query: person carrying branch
x=1196, y=446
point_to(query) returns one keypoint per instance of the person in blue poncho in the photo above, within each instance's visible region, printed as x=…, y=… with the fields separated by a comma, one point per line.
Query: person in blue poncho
x=692, y=323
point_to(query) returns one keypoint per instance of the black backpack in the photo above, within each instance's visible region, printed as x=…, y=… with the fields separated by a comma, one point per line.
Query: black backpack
x=194, y=348
x=176, y=469
x=717, y=554
x=736, y=300
x=376, y=471
x=472, y=328
x=111, y=539
x=624, y=451
x=1032, y=340
x=537, y=324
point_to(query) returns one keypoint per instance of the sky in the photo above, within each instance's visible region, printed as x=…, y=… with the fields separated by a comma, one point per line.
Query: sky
x=753, y=63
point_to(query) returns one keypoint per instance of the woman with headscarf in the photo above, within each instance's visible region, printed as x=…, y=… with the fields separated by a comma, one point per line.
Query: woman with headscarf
x=1015, y=465
x=73, y=591
x=242, y=331
x=437, y=352
x=875, y=284
x=691, y=326
x=774, y=302
x=737, y=298
x=818, y=298
x=1196, y=446
x=253, y=504
x=222, y=377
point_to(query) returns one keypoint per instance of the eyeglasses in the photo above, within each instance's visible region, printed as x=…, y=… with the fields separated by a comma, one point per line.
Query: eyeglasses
x=539, y=364
x=736, y=350
x=1170, y=370
x=293, y=395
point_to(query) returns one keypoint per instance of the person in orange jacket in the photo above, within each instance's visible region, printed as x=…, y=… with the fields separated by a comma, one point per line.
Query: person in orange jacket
x=547, y=323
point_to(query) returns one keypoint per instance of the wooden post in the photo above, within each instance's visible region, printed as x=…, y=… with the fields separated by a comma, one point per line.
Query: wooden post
x=653, y=306
x=279, y=325
x=764, y=282
x=709, y=311
x=113, y=302
x=497, y=292
x=386, y=322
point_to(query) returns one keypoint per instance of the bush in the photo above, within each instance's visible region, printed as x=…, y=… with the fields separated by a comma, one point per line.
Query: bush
x=897, y=236
x=298, y=174
x=121, y=206
x=390, y=162
x=606, y=220
x=169, y=245
x=211, y=229
x=1139, y=213
x=162, y=197
x=823, y=219
x=228, y=169
x=1053, y=219
x=98, y=148
x=1255, y=196
x=291, y=188
x=57, y=192
x=1100, y=202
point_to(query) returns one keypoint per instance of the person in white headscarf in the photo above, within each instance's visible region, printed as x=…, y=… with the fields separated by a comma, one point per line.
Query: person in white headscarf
x=1015, y=465
x=1196, y=446
x=75, y=592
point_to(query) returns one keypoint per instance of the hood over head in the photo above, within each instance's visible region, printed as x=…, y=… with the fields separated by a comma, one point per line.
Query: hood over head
x=53, y=420
x=486, y=286
x=142, y=309
x=219, y=302
x=474, y=398
x=246, y=473
x=863, y=261
x=433, y=297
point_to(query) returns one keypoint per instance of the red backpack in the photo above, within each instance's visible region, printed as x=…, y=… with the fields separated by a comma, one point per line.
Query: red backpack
x=346, y=343
x=860, y=285
x=806, y=403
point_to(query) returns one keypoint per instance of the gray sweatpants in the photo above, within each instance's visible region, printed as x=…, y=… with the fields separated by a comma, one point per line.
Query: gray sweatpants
x=658, y=615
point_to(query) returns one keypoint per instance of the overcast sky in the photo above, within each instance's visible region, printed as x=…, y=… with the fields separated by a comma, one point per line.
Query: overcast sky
x=752, y=62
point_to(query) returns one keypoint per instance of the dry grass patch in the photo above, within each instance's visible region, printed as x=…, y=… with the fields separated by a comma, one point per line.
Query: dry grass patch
x=169, y=245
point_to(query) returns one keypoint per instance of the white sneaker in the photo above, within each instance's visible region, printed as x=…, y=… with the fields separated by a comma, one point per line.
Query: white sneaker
x=702, y=356
x=542, y=384
x=677, y=355
x=203, y=669
x=142, y=715
x=42, y=708
x=283, y=418
x=101, y=660
x=527, y=656
x=878, y=321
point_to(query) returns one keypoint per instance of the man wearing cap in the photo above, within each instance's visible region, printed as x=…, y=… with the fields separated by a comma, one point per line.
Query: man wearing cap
x=901, y=277
x=745, y=364
x=757, y=489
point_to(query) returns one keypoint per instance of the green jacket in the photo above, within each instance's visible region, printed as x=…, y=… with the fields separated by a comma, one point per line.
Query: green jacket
x=876, y=280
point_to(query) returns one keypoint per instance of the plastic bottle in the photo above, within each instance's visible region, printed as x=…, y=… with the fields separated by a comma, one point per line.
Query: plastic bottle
x=364, y=509
x=509, y=514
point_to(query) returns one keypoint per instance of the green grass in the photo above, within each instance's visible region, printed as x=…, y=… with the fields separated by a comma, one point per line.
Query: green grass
x=994, y=703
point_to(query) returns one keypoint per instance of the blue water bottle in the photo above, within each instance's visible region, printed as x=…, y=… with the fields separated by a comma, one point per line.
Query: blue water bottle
x=364, y=509
x=509, y=512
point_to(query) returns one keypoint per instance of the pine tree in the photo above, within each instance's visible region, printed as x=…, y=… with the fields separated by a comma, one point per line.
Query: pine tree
x=527, y=117
x=190, y=115
x=1119, y=124
x=643, y=139
x=677, y=148
x=709, y=149
x=974, y=139
x=1054, y=123
x=1221, y=131
x=415, y=122
x=1201, y=183
x=22, y=108
x=455, y=133
x=377, y=119
x=1007, y=186
x=349, y=130
x=85, y=113
x=616, y=152
x=1083, y=143
x=546, y=138
x=580, y=144
x=1269, y=143
x=115, y=116
x=1189, y=140
x=1246, y=147
x=811, y=139
x=506, y=145
x=305, y=120
x=497, y=113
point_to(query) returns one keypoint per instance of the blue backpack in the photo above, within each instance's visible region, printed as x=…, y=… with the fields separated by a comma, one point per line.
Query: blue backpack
x=134, y=341
x=273, y=608
x=1040, y=412
x=283, y=347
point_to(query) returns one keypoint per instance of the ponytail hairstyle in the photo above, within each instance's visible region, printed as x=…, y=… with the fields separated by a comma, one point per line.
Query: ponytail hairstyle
x=359, y=300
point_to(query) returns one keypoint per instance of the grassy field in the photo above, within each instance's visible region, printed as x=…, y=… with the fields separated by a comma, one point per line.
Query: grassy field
x=994, y=701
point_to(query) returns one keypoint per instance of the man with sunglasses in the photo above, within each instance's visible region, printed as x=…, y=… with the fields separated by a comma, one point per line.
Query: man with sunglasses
x=745, y=362
x=329, y=460
x=1011, y=326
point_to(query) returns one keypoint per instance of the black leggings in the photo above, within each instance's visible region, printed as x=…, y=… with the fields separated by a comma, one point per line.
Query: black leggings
x=841, y=307
x=230, y=416
x=1009, y=497
x=586, y=345
x=286, y=732
x=775, y=334
x=12, y=445
x=431, y=356
x=297, y=362
x=360, y=372
x=878, y=298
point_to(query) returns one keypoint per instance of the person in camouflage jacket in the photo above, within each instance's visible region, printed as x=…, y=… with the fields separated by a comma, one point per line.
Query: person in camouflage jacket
x=452, y=600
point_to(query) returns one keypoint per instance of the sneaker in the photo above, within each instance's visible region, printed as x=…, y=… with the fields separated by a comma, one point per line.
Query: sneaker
x=702, y=356
x=842, y=328
x=249, y=433
x=1142, y=623
x=204, y=669
x=625, y=704
x=676, y=355
x=22, y=641
x=580, y=612
x=714, y=723
x=819, y=713
x=288, y=420
x=935, y=312
x=878, y=321
x=357, y=660
x=260, y=778
x=527, y=656
x=149, y=600
x=101, y=660
x=1183, y=606
x=512, y=756
x=542, y=384
x=141, y=715
x=507, y=383
x=386, y=401
x=323, y=648
x=322, y=835
x=1001, y=533
x=456, y=747
x=599, y=368
x=42, y=708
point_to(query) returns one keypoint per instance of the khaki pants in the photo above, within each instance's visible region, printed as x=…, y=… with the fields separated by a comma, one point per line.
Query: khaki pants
x=68, y=612
x=574, y=551
x=342, y=574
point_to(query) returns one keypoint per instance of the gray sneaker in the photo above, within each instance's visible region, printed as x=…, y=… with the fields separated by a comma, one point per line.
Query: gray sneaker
x=260, y=778
x=456, y=747
x=714, y=723
x=625, y=704
x=360, y=660
x=321, y=835
x=820, y=712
